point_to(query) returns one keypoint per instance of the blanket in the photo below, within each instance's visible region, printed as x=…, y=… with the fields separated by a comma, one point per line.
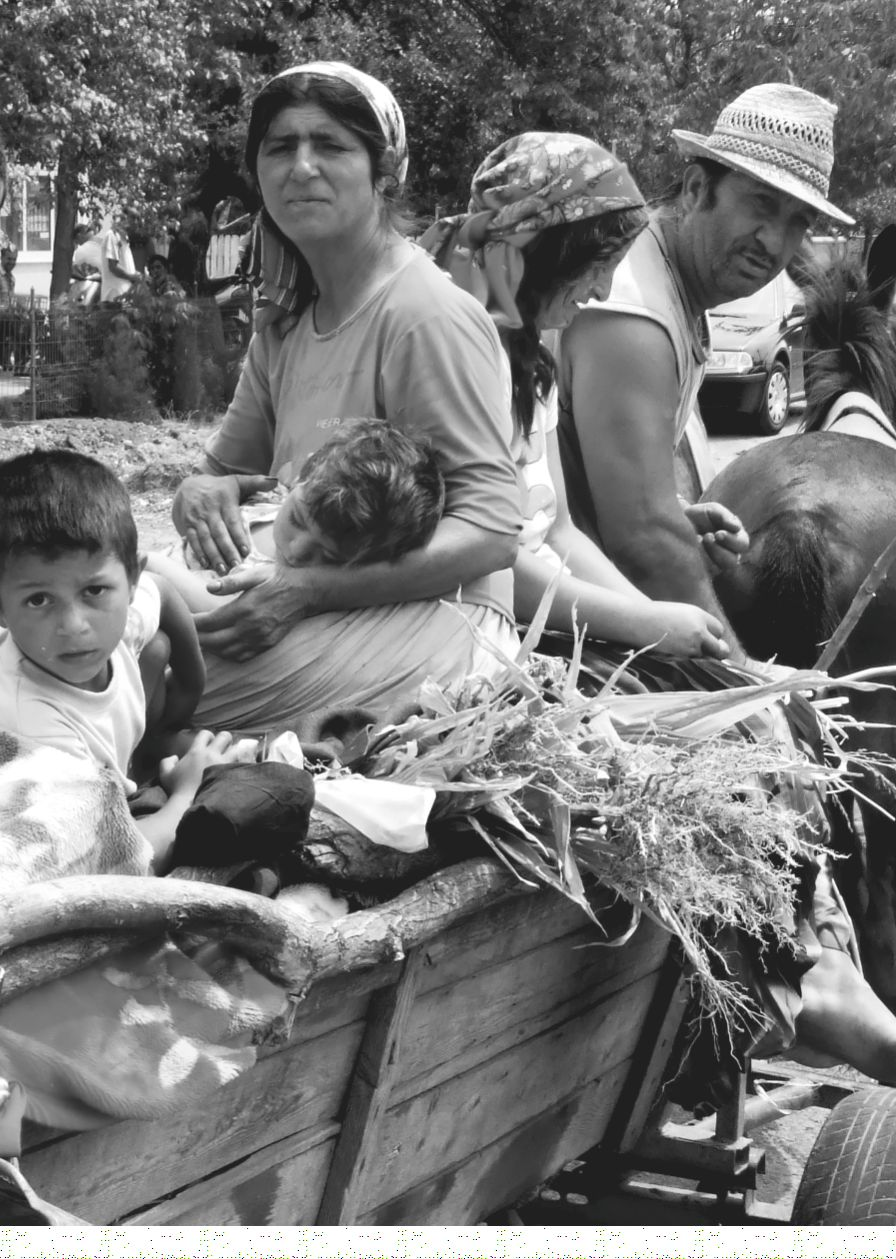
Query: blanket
x=61, y=815
x=136, y=1035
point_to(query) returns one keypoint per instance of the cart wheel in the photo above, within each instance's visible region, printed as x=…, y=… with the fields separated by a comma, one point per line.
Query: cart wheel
x=850, y=1175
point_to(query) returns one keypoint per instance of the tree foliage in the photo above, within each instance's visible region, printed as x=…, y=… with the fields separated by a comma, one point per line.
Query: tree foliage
x=145, y=101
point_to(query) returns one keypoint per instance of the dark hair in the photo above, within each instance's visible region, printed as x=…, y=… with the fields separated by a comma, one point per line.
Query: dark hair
x=715, y=172
x=347, y=106
x=158, y=258
x=56, y=501
x=554, y=261
x=375, y=490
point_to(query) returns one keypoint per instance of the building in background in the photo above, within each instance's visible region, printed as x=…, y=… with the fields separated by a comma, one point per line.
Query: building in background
x=28, y=221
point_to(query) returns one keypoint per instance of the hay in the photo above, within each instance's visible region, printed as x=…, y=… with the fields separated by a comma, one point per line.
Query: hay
x=697, y=808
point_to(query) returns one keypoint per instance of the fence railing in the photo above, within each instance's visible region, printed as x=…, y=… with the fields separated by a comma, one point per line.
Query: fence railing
x=127, y=360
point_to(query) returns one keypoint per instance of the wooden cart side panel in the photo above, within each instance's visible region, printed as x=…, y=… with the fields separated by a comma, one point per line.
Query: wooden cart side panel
x=453, y=1028
x=280, y=1184
x=468, y=1191
x=521, y=924
x=106, y=1173
x=448, y=1124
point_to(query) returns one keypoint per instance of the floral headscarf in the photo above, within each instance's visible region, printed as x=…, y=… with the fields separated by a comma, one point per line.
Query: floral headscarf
x=280, y=272
x=532, y=181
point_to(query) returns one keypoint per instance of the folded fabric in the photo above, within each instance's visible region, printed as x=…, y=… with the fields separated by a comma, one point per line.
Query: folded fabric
x=389, y=813
x=142, y=1034
x=254, y=812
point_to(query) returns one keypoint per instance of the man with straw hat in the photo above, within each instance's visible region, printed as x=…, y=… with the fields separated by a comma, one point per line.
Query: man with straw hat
x=630, y=368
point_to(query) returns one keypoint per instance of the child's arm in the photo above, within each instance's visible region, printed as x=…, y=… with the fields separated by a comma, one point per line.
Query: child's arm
x=180, y=777
x=185, y=661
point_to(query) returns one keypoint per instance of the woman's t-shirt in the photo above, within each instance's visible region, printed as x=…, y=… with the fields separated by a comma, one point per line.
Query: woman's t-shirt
x=420, y=353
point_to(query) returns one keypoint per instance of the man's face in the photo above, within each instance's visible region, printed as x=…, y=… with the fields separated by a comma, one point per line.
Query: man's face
x=743, y=235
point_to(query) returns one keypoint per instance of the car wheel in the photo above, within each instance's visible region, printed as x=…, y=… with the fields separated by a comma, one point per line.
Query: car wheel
x=850, y=1173
x=775, y=406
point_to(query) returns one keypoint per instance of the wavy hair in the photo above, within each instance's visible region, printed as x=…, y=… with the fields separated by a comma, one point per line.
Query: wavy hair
x=557, y=257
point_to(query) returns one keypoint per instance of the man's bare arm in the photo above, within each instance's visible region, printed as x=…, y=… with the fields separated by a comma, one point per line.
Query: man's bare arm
x=619, y=371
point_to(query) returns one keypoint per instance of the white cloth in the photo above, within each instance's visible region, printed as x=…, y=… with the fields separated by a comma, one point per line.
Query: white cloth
x=114, y=248
x=89, y=254
x=389, y=813
x=103, y=727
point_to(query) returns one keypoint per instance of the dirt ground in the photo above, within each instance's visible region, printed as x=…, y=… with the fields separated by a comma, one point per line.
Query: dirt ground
x=151, y=459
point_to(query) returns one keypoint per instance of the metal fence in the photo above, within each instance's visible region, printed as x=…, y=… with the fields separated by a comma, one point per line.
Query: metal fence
x=128, y=361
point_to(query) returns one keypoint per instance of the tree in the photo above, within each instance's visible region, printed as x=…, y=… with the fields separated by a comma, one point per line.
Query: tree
x=95, y=89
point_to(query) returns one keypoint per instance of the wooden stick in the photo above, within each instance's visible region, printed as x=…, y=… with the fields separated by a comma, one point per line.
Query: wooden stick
x=282, y=945
x=861, y=599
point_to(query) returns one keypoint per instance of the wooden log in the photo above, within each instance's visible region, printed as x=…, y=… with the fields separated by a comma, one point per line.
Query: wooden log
x=336, y=854
x=282, y=946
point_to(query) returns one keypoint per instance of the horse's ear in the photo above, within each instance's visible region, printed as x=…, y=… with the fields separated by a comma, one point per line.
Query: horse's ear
x=880, y=267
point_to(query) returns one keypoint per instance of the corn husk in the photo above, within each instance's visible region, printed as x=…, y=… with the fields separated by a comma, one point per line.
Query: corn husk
x=698, y=808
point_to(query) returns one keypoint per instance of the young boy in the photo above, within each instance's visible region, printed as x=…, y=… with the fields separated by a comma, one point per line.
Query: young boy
x=77, y=611
x=370, y=493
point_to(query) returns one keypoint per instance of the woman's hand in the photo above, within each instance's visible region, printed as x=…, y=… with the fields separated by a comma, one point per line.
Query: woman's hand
x=267, y=607
x=685, y=630
x=206, y=511
x=722, y=535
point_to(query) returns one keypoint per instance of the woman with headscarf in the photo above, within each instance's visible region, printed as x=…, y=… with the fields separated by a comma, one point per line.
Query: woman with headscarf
x=550, y=217
x=353, y=320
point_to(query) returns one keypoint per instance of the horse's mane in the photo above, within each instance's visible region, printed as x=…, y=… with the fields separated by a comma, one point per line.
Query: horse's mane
x=848, y=343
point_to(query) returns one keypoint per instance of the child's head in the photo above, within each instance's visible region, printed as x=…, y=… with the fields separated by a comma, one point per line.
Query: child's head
x=371, y=493
x=68, y=562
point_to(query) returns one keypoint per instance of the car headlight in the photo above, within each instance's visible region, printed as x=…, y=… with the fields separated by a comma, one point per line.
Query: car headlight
x=729, y=361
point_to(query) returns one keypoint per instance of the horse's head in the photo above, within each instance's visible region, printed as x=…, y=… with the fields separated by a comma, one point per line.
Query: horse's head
x=849, y=343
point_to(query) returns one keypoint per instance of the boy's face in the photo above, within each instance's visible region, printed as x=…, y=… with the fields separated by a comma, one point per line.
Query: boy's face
x=67, y=615
x=298, y=540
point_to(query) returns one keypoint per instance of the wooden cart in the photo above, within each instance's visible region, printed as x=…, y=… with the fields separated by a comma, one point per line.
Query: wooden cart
x=457, y=1047
x=434, y=1088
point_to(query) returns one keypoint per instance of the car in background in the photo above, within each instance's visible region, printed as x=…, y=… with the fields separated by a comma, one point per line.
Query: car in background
x=755, y=361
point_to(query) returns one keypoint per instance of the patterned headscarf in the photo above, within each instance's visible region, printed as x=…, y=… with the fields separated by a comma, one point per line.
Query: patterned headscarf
x=532, y=181
x=277, y=269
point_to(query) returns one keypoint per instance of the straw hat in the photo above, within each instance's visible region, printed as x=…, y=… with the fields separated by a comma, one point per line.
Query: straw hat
x=781, y=135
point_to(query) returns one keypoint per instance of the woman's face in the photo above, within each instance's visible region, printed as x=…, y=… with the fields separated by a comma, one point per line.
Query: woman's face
x=315, y=177
x=560, y=307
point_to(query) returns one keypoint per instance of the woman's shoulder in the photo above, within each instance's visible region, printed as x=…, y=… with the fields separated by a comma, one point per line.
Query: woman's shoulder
x=428, y=294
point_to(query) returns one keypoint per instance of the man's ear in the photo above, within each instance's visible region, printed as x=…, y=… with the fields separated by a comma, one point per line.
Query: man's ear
x=694, y=187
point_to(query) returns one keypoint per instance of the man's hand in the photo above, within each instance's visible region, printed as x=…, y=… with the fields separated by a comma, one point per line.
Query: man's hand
x=206, y=511
x=721, y=533
x=267, y=607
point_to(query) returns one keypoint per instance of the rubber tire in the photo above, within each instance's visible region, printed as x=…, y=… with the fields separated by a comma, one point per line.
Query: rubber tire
x=777, y=384
x=850, y=1174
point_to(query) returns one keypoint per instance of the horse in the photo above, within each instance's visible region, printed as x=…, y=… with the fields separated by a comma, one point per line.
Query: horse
x=820, y=508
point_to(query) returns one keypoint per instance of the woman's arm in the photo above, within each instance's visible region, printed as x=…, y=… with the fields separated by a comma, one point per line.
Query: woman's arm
x=594, y=597
x=582, y=557
x=457, y=553
x=237, y=463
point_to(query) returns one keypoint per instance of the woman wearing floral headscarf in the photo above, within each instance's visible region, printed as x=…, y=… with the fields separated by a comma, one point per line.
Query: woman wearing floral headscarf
x=354, y=320
x=550, y=217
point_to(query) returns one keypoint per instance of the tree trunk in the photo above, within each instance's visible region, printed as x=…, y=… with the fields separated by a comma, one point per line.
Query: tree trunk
x=66, y=216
